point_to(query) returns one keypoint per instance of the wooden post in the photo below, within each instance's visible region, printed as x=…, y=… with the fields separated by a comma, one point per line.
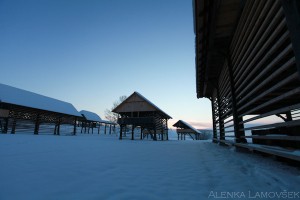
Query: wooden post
x=110, y=129
x=120, y=136
x=238, y=125
x=74, y=129
x=167, y=129
x=154, y=137
x=221, y=120
x=5, y=129
x=141, y=132
x=132, y=132
x=13, y=129
x=58, y=127
x=37, y=124
x=105, y=129
x=213, y=101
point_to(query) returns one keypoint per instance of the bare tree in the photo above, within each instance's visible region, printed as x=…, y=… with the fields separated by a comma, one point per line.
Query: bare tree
x=111, y=116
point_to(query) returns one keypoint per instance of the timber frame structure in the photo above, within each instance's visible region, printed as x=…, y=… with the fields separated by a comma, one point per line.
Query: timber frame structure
x=91, y=120
x=248, y=65
x=24, y=111
x=137, y=111
x=184, y=129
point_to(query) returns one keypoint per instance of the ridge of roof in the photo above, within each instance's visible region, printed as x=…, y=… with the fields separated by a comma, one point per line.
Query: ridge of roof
x=17, y=96
x=188, y=125
x=148, y=101
x=91, y=116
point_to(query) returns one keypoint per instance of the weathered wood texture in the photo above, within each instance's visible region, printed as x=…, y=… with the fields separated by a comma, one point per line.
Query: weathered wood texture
x=247, y=63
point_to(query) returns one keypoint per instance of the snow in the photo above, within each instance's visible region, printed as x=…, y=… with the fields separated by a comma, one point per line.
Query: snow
x=102, y=167
x=91, y=116
x=188, y=125
x=25, y=98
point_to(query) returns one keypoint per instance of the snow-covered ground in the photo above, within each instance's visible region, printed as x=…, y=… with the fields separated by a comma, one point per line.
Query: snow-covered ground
x=102, y=167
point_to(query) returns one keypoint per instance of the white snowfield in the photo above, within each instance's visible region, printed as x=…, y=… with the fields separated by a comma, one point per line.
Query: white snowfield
x=100, y=167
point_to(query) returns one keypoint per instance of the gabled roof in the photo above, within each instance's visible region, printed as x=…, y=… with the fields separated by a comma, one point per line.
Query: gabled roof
x=90, y=116
x=185, y=125
x=138, y=103
x=16, y=96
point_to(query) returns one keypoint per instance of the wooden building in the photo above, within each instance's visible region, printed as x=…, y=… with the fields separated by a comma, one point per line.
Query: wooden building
x=91, y=120
x=184, y=129
x=137, y=111
x=24, y=111
x=248, y=65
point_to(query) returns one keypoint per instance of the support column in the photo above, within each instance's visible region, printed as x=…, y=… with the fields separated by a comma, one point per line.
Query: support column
x=121, y=129
x=74, y=129
x=58, y=127
x=167, y=129
x=13, y=129
x=221, y=120
x=141, y=133
x=154, y=137
x=5, y=128
x=213, y=119
x=105, y=129
x=132, y=132
x=110, y=129
x=37, y=124
x=238, y=121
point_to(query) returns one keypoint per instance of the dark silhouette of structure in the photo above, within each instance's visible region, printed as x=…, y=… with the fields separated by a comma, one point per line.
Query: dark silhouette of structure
x=137, y=111
x=248, y=65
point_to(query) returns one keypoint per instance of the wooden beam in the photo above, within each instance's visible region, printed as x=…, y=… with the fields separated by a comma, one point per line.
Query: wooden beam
x=37, y=124
x=291, y=10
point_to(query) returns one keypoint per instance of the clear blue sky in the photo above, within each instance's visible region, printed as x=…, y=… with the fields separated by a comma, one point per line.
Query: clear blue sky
x=90, y=52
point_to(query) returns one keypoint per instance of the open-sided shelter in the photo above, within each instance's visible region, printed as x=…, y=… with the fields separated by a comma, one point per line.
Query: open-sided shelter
x=184, y=128
x=91, y=120
x=27, y=111
x=137, y=111
x=248, y=65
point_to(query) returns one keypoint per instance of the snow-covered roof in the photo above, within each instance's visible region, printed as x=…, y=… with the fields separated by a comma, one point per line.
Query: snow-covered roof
x=138, y=107
x=91, y=116
x=178, y=124
x=12, y=95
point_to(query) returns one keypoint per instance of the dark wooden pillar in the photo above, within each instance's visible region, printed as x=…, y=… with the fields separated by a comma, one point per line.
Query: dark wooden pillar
x=105, y=129
x=221, y=120
x=13, y=128
x=291, y=9
x=121, y=129
x=141, y=132
x=58, y=127
x=110, y=129
x=74, y=129
x=37, y=124
x=132, y=132
x=5, y=127
x=178, y=136
x=213, y=119
x=238, y=121
x=167, y=129
x=289, y=116
x=154, y=136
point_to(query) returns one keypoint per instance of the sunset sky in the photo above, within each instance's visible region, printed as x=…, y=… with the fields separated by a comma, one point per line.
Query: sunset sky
x=90, y=52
